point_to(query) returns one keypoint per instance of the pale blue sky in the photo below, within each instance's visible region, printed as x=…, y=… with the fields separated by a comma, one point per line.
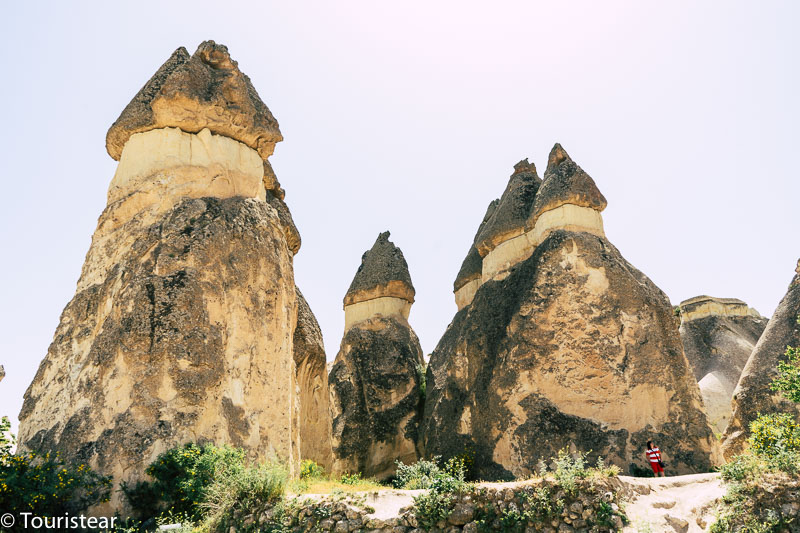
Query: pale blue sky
x=408, y=116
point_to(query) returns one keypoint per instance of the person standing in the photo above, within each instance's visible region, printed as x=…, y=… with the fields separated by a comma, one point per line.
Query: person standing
x=654, y=457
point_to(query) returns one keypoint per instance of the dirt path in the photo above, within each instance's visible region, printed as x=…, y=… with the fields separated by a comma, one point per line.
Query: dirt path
x=682, y=504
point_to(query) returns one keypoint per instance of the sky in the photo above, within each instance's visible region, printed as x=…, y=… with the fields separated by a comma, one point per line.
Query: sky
x=409, y=116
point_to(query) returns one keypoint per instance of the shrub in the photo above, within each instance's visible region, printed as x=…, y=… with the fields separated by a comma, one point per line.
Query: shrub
x=311, y=470
x=788, y=380
x=7, y=439
x=569, y=469
x=47, y=486
x=351, y=479
x=773, y=433
x=240, y=490
x=181, y=477
x=443, y=485
x=419, y=475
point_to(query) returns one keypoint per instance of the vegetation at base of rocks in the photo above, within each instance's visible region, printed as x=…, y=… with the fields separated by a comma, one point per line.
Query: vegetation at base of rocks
x=180, y=479
x=444, y=486
x=245, y=491
x=351, y=479
x=45, y=484
x=311, y=470
x=763, y=483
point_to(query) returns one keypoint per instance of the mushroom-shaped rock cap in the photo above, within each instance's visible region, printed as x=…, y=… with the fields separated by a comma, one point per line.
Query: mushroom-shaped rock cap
x=473, y=264
x=383, y=272
x=513, y=210
x=206, y=90
x=565, y=183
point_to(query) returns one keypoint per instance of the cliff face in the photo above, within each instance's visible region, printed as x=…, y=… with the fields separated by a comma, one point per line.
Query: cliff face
x=718, y=335
x=182, y=327
x=570, y=345
x=375, y=379
x=753, y=394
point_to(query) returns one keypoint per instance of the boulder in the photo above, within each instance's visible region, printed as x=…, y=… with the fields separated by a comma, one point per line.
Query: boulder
x=572, y=348
x=376, y=376
x=183, y=324
x=753, y=395
x=718, y=335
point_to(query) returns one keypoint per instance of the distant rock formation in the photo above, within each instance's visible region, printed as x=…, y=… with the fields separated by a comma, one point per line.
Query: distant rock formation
x=375, y=379
x=182, y=327
x=564, y=344
x=718, y=335
x=2, y=372
x=753, y=394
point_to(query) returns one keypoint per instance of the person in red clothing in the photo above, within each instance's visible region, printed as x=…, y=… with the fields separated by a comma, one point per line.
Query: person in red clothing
x=654, y=457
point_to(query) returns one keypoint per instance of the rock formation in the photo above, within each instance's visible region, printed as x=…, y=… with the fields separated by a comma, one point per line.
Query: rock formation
x=718, y=335
x=566, y=344
x=182, y=327
x=469, y=276
x=753, y=394
x=2, y=372
x=375, y=379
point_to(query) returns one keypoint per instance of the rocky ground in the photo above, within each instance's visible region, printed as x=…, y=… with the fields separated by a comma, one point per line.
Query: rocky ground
x=682, y=504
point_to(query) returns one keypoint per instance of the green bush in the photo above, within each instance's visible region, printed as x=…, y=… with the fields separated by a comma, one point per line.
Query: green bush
x=351, y=479
x=45, y=485
x=788, y=380
x=240, y=491
x=419, y=475
x=569, y=469
x=311, y=470
x=773, y=433
x=181, y=477
x=443, y=485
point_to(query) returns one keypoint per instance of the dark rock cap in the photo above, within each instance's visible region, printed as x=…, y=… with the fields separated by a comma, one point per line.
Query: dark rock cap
x=472, y=266
x=565, y=183
x=511, y=214
x=206, y=90
x=383, y=272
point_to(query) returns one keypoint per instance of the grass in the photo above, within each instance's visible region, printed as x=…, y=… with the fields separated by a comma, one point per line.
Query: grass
x=328, y=486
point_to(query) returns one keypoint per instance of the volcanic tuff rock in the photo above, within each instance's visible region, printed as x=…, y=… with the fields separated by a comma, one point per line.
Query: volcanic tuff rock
x=182, y=327
x=574, y=346
x=2, y=372
x=752, y=394
x=312, y=379
x=718, y=335
x=469, y=276
x=502, y=240
x=375, y=379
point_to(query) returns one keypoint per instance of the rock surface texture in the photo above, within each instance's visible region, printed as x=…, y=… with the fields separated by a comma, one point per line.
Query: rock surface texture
x=572, y=347
x=375, y=379
x=752, y=394
x=718, y=335
x=183, y=325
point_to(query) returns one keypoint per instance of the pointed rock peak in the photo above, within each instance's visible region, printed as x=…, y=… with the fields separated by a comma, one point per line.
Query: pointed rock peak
x=512, y=211
x=206, y=90
x=565, y=183
x=472, y=264
x=383, y=273
x=557, y=156
x=524, y=167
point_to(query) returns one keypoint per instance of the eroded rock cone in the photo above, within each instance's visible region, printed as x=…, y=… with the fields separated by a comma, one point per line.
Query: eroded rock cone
x=753, y=395
x=502, y=240
x=469, y=275
x=574, y=347
x=182, y=327
x=718, y=335
x=375, y=379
